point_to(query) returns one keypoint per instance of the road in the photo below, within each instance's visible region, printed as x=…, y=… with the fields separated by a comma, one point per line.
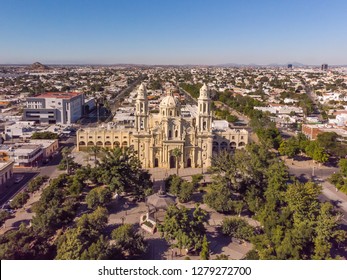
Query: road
x=29, y=173
x=12, y=190
x=188, y=97
x=115, y=102
x=313, y=98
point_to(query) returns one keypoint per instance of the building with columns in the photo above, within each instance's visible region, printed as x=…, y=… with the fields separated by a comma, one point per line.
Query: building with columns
x=155, y=136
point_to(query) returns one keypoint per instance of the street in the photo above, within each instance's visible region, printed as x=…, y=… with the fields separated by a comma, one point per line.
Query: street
x=29, y=173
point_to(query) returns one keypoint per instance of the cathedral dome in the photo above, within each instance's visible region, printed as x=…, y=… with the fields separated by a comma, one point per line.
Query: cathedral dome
x=169, y=101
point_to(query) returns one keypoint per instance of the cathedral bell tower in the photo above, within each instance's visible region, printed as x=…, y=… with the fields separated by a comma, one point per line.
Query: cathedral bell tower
x=141, y=114
x=204, y=117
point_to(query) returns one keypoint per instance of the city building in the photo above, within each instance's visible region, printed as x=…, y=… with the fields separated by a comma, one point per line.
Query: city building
x=55, y=107
x=19, y=130
x=6, y=172
x=49, y=147
x=324, y=67
x=27, y=155
x=312, y=131
x=156, y=136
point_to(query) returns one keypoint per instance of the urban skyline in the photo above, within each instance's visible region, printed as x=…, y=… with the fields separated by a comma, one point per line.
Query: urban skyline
x=171, y=32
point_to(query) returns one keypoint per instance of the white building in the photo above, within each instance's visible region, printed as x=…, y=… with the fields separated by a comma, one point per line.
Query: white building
x=6, y=172
x=55, y=107
x=19, y=130
x=27, y=155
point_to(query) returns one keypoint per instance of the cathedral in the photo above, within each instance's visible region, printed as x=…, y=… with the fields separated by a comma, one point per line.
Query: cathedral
x=157, y=137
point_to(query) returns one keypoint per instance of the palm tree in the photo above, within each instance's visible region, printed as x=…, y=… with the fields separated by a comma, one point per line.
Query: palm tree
x=66, y=153
x=94, y=150
x=177, y=154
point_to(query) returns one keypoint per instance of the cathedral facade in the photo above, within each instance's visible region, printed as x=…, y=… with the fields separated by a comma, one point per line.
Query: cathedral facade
x=157, y=137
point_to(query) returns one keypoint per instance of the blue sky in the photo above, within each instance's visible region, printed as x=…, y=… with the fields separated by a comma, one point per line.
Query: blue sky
x=173, y=32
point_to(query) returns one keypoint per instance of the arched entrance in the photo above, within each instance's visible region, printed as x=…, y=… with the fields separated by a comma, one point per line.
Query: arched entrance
x=189, y=162
x=172, y=162
x=156, y=162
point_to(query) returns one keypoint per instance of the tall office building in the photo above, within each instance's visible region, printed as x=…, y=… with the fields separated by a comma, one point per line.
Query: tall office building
x=54, y=107
x=324, y=67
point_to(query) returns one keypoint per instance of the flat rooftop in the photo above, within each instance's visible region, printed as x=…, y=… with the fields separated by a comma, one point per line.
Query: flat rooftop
x=62, y=95
x=4, y=164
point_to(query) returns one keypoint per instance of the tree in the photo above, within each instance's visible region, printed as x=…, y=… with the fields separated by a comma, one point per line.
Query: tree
x=44, y=135
x=232, y=118
x=129, y=241
x=238, y=228
x=19, y=200
x=85, y=241
x=177, y=154
x=316, y=152
x=205, y=251
x=54, y=209
x=121, y=170
x=343, y=166
x=219, y=197
x=222, y=257
x=99, y=196
x=173, y=184
x=181, y=188
x=184, y=229
x=186, y=191
x=328, y=141
x=67, y=162
x=196, y=179
x=94, y=150
x=4, y=215
x=303, y=200
x=24, y=244
x=326, y=230
x=289, y=148
x=36, y=183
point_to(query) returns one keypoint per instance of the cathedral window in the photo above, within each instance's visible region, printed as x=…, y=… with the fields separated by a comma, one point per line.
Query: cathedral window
x=170, y=134
x=204, y=125
x=176, y=133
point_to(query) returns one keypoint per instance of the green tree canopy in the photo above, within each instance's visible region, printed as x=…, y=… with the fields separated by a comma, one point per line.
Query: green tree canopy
x=127, y=240
x=99, y=196
x=185, y=230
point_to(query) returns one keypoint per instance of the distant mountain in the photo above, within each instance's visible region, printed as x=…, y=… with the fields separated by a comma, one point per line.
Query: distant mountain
x=37, y=66
x=231, y=64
